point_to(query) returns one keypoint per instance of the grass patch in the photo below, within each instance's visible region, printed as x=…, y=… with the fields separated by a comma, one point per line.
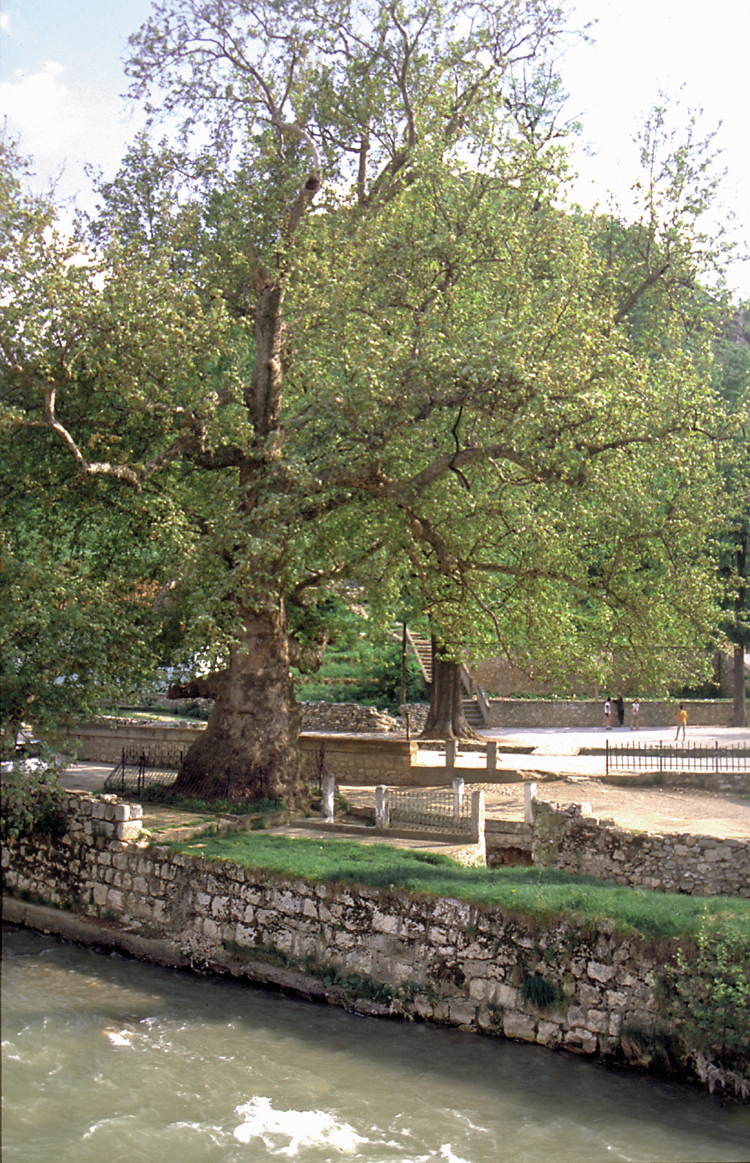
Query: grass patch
x=161, y=795
x=539, y=893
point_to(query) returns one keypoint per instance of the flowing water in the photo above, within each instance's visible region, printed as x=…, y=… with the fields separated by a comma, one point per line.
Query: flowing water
x=106, y=1060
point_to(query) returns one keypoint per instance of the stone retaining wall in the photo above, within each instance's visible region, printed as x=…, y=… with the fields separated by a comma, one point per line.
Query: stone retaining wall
x=570, y=838
x=358, y=759
x=569, y=985
x=532, y=713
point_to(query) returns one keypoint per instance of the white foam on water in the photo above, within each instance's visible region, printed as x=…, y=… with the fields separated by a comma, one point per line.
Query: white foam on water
x=446, y=1152
x=119, y=1037
x=300, y=1128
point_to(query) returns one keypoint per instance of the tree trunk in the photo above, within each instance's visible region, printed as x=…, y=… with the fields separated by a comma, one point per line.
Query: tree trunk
x=446, y=718
x=249, y=749
x=740, y=713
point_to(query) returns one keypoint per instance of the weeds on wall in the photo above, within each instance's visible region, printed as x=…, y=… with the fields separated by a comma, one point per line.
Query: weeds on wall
x=32, y=801
x=538, y=991
x=706, y=992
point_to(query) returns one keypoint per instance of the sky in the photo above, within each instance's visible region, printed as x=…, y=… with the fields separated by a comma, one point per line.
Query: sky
x=61, y=80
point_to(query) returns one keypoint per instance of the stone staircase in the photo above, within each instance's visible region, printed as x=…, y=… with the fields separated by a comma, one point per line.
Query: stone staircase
x=421, y=648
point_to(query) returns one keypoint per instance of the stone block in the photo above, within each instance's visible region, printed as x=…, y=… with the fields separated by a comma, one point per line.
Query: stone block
x=597, y=1020
x=210, y=929
x=576, y=1016
x=599, y=972
x=385, y=923
x=129, y=830
x=549, y=1033
x=580, y=1041
x=461, y=1012
x=479, y=989
x=589, y=995
x=520, y=1026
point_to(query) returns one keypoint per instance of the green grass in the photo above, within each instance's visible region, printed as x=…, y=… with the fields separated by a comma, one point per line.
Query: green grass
x=161, y=795
x=533, y=892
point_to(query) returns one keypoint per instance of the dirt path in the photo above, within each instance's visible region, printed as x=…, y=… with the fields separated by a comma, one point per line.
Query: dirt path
x=647, y=809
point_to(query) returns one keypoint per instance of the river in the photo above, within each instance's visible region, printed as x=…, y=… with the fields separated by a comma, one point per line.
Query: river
x=106, y=1059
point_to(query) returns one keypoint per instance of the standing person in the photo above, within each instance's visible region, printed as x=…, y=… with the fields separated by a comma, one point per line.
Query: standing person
x=634, y=710
x=620, y=709
x=681, y=718
x=608, y=713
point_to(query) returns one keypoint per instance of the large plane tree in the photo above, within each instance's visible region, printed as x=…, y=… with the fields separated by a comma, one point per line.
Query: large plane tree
x=366, y=347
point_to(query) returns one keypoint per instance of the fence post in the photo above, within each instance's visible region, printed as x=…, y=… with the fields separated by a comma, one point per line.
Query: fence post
x=382, y=815
x=477, y=817
x=606, y=756
x=458, y=795
x=529, y=799
x=328, y=788
x=492, y=754
x=450, y=753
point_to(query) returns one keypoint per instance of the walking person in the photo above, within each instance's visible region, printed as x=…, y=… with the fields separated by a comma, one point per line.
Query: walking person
x=608, y=713
x=681, y=718
x=620, y=709
x=634, y=712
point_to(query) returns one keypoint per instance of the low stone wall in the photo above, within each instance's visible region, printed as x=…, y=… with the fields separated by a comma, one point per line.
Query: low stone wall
x=570, y=838
x=348, y=717
x=567, y=985
x=531, y=713
x=358, y=759
x=104, y=742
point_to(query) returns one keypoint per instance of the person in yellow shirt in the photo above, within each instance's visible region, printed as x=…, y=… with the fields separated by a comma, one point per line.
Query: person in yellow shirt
x=681, y=718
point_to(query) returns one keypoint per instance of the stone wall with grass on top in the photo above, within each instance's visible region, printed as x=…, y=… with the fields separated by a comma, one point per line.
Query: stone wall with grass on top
x=563, y=983
x=569, y=837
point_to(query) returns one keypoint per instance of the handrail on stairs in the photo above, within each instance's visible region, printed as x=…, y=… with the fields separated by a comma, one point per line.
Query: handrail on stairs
x=472, y=688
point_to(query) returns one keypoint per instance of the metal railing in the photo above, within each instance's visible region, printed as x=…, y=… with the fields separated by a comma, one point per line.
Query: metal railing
x=434, y=811
x=431, y=810
x=695, y=757
x=142, y=767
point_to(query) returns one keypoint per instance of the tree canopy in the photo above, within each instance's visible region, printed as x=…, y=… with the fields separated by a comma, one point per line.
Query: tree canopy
x=347, y=335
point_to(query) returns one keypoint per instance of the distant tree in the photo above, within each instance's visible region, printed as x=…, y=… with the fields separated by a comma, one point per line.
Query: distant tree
x=732, y=377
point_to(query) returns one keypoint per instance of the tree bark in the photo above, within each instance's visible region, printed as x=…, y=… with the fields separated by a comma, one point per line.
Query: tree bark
x=249, y=749
x=446, y=718
x=740, y=711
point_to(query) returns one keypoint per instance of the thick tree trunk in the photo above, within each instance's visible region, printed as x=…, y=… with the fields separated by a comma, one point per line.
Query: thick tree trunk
x=249, y=749
x=740, y=712
x=446, y=718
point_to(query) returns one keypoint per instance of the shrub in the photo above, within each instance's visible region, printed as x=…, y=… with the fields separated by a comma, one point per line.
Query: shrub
x=707, y=991
x=32, y=801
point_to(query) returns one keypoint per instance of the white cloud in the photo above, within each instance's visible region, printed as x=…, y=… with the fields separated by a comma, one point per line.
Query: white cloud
x=62, y=125
x=39, y=107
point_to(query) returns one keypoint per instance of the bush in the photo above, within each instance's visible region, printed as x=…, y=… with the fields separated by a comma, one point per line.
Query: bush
x=707, y=991
x=32, y=801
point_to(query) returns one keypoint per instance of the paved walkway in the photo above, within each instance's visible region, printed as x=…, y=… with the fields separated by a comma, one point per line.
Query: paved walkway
x=553, y=758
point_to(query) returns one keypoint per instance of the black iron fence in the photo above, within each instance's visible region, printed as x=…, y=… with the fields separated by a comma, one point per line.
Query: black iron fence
x=693, y=757
x=143, y=767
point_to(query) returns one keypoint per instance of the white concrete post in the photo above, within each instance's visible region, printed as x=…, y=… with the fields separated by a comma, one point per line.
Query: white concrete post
x=492, y=754
x=458, y=795
x=328, y=787
x=450, y=753
x=477, y=817
x=382, y=815
x=529, y=800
